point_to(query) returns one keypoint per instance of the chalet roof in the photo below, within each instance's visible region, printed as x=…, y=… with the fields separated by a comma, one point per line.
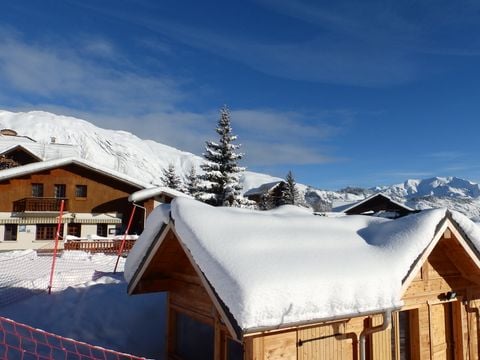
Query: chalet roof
x=354, y=205
x=56, y=163
x=145, y=194
x=9, y=149
x=262, y=189
x=41, y=150
x=286, y=266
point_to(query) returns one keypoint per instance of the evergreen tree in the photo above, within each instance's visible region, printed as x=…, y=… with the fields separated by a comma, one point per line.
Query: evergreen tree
x=292, y=196
x=192, y=185
x=221, y=171
x=170, y=178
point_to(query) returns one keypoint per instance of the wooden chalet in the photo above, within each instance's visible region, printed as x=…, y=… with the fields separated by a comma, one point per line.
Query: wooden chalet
x=96, y=202
x=378, y=205
x=418, y=297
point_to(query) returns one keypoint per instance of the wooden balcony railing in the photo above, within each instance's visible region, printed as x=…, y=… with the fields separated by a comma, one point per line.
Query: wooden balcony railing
x=107, y=247
x=39, y=204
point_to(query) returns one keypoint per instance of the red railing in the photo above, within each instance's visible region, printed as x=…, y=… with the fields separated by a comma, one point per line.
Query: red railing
x=22, y=342
x=107, y=247
x=39, y=204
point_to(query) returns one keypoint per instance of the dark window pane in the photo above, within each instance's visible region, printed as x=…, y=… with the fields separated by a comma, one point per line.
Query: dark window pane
x=102, y=230
x=194, y=339
x=234, y=350
x=59, y=190
x=47, y=231
x=10, y=232
x=81, y=191
x=74, y=229
x=37, y=190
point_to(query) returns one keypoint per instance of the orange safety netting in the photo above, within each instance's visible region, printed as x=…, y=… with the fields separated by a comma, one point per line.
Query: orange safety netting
x=22, y=342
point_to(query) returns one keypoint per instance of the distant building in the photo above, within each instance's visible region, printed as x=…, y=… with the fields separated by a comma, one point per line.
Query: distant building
x=375, y=205
x=28, y=150
x=268, y=189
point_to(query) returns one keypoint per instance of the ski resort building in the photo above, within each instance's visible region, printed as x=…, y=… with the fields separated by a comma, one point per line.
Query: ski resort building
x=95, y=202
x=285, y=284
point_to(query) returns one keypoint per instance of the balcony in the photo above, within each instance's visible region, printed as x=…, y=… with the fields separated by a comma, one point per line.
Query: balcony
x=39, y=204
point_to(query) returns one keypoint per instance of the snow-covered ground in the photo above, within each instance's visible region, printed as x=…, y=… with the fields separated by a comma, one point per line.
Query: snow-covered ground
x=88, y=303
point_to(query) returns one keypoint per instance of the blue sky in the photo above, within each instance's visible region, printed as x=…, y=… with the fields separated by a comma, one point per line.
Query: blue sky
x=341, y=93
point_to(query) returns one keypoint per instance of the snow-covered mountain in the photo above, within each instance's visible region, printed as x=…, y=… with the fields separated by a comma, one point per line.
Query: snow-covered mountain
x=145, y=160
x=117, y=150
x=437, y=186
x=451, y=192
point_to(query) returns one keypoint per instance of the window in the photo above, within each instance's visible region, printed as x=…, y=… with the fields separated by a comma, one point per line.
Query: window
x=102, y=230
x=81, y=191
x=59, y=191
x=47, y=231
x=37, y=190
x=194, y=340
x=74, y=229
x=10, y=232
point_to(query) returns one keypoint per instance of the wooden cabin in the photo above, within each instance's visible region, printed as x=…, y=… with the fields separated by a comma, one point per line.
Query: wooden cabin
x=95, y=202
x=377, y=205
x=416, y=297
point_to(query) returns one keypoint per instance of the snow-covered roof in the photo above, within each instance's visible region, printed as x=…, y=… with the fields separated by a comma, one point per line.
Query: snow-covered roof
x=341, y=205
x=262, y=189
x=287, y=266
x=51, y=164
x=19, y=146
x=44, y=151
x=145, y=194
x=372, y=197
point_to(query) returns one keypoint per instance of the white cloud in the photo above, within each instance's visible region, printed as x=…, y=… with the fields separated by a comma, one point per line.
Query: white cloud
x=68, y=81
x=68, y=75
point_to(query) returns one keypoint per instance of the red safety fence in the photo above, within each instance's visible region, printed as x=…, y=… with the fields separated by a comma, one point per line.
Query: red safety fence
x=22, y=342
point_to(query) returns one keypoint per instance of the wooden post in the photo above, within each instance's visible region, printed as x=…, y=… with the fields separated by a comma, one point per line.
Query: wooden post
x=120, y=251
x=55, y=249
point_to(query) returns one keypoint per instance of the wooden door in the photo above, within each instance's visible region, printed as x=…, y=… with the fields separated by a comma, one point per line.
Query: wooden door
x=442, y=332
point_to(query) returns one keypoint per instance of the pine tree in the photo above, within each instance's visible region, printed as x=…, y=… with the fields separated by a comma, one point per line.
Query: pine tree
x=221, y=171
x=192, y=184
x=289, y=190
x=170, y=178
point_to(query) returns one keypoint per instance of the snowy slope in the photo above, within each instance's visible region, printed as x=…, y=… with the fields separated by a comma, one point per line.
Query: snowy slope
x=117, y=150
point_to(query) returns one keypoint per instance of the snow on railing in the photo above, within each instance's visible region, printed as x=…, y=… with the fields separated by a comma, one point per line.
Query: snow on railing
x=22, y=342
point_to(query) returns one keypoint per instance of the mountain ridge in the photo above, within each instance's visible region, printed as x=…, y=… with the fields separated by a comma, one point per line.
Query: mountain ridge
x=145, y=159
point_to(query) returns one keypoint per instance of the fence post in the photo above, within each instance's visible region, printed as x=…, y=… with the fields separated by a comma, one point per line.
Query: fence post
x=57, y=235
x=120, y=251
